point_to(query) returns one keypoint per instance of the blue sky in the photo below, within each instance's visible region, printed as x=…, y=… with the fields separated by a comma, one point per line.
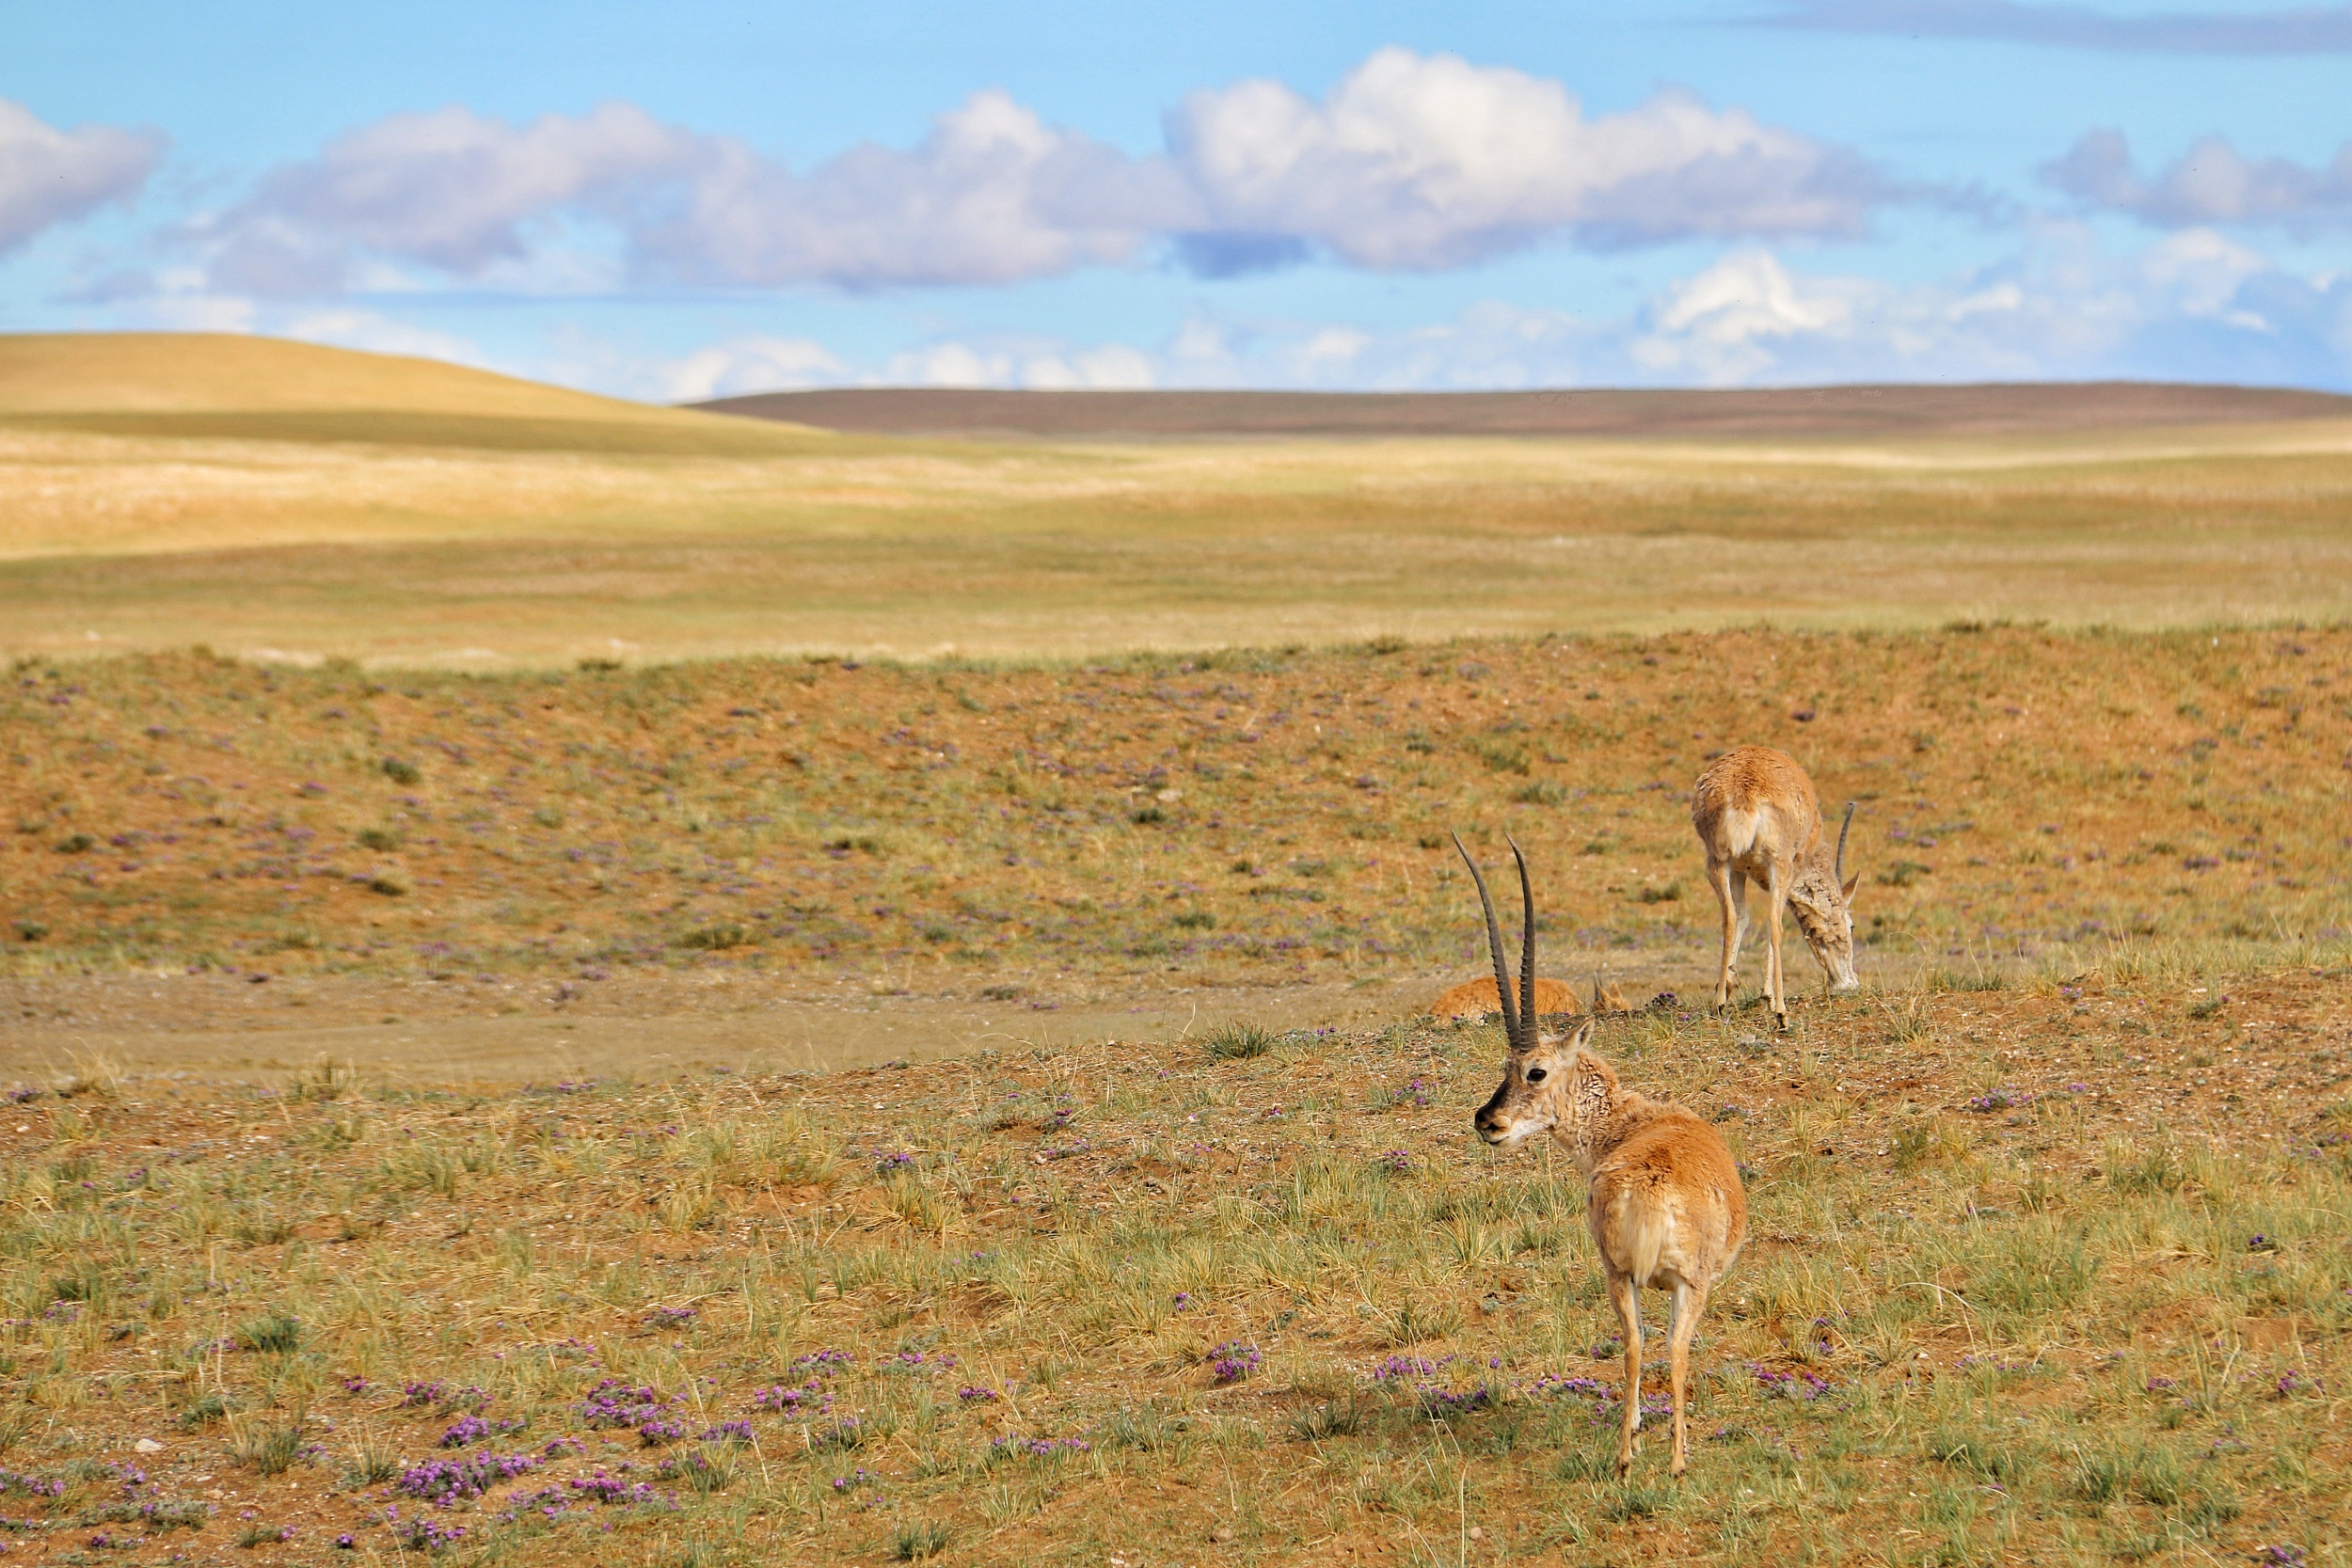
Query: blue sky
x=699, y=198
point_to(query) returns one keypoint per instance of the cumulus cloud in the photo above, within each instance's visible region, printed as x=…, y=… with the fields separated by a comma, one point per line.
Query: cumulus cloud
x=1411, y=162
x=451, y=190
x=48, y=176
x=2196, y=306
x=2209, y=183
x=2304, y=31
x=1038, y=364
x=1420, y=163
x=748, y=365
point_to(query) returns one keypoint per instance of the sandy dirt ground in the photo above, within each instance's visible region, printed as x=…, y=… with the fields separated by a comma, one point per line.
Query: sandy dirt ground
x=491, y=1030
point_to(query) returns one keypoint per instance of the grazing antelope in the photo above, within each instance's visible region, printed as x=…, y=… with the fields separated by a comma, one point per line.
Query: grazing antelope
x=1478, y=998
x=1758, y=820
x=1662, y=1192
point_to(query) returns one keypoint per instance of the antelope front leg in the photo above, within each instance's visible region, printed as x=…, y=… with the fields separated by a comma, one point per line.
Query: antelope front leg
x=1728, y=893
x=1627, y=1301
x=1689, y=1303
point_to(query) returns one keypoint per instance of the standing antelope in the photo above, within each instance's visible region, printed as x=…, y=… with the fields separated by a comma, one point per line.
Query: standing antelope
x=1758, y=818
x=1662, y=1192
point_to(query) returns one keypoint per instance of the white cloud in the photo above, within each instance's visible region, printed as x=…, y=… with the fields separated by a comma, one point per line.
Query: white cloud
x=1412, y=163
x=451, y=190
x=991, y=196
x=1419, y=162
x=48, y=176
x=1036, y=363
x=749, y=365
x=2211, y=183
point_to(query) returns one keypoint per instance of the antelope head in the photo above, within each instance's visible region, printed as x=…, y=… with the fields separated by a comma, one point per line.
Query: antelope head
x=1550, y=1082
x=1822, y=900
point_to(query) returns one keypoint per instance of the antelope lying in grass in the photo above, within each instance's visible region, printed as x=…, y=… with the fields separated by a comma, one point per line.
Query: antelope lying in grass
x=1662, y=1192
x=1758, y=818
x=1477, y=998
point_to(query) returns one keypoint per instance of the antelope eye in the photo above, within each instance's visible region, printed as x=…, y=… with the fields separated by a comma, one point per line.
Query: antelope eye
x=1534, y=1076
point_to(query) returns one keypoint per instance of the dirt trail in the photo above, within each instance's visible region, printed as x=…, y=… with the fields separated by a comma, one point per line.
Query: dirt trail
x=505, y=1030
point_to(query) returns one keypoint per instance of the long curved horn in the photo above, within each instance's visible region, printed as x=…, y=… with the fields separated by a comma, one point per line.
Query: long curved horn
x=1527, y=942
x=1494, y=948
x=1843, y=829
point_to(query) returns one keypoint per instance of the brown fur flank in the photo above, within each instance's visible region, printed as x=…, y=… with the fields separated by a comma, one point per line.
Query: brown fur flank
x=1476, y=999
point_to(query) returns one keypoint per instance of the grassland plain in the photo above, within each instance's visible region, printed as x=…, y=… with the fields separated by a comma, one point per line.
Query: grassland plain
x=2051, y=1273
x=478, y=540
x=1269, y=817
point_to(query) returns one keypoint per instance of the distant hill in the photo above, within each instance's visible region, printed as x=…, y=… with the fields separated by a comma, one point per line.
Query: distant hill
x=1906, y=410
x=224, y=385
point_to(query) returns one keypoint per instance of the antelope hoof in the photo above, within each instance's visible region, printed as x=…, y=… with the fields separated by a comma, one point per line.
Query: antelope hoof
x=1680, y=1465
x=1625, y=1463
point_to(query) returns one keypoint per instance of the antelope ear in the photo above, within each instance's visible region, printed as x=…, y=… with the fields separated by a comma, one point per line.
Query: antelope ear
x=1852, y=882
x=1582, y=1038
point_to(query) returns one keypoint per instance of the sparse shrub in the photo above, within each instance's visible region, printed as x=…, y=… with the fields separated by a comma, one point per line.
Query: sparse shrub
x=205, y=1409
x=1331, y=1419
x=277, y=1332
x=1230, y=1042
x=918, y=1541
x=714, y=939
x=271, y=1449
x=1660, y=892
x=2132, y=1169
x=399, y=772
x=378, y=839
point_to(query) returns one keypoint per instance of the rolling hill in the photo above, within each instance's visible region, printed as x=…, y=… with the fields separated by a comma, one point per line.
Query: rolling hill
x=1855, y=411
x=230, y=387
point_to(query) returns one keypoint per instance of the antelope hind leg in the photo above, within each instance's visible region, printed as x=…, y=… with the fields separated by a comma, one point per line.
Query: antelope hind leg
x=1689, y=1303
x=1627, y=1301
x=1731, y=892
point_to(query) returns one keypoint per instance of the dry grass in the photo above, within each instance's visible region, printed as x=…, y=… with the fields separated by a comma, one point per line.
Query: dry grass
x=2029, y=798
x=485, y=541
x=2043, y=1275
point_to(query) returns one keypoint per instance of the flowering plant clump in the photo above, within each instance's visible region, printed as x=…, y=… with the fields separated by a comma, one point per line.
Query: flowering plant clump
x=846, y=1432
x=1234, y=1360
x=609, y=1490
x=1999, y=1100
x=728, y=1432
x=446, y=1480
x=1437, y=1395
x=888, y=1161
x=809, y=1399
x=424, y=1535
x=854, y=1480
x=471, y=1429
x=1396, y=1161
x=908, y=1361
x=614, y=1404
x=971, y=1392
x=1791, y=1386
x=671, y=1316
x=31, y=1485
x=421, y=1393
